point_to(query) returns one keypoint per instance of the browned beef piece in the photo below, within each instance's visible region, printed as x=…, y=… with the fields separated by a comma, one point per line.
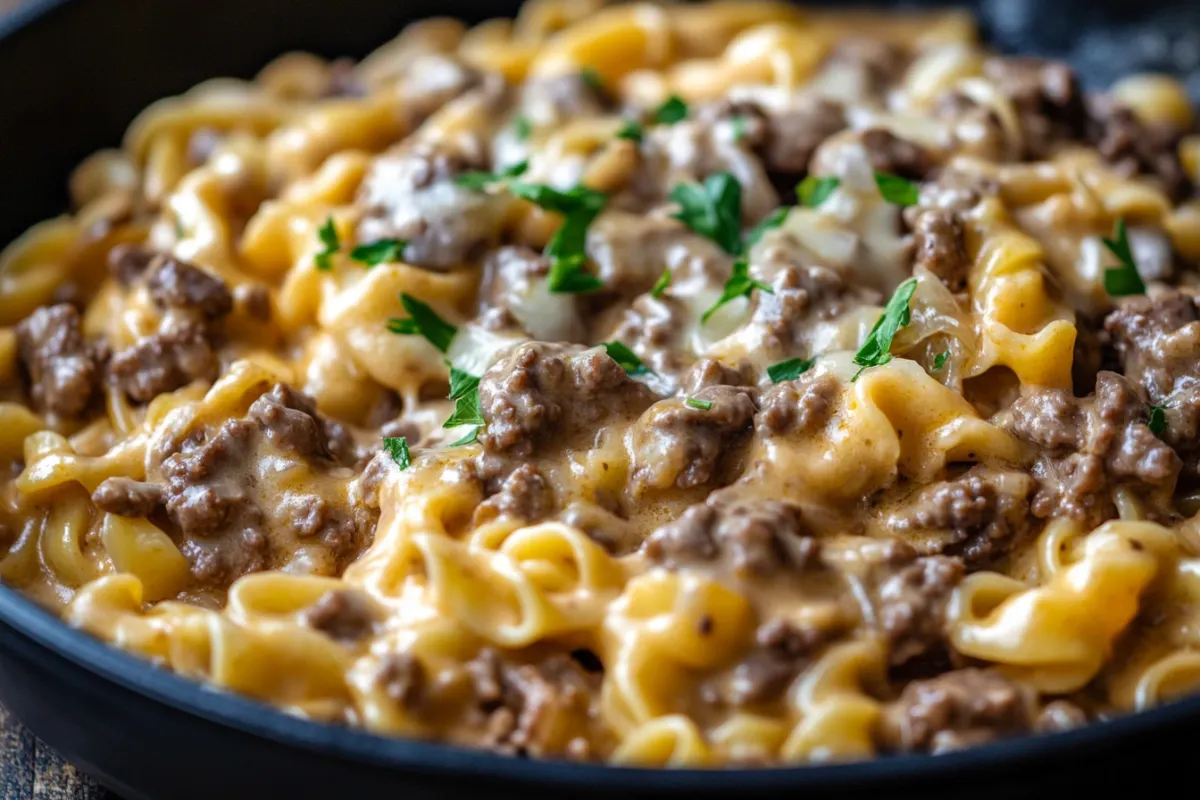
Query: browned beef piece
x=782, y=649
x=559, y=99
x=1133, y=147
x=653, y=328
x=63, y=369
x=343, y=614
x=410, y=194
x=126, y=497
x=877, y=63
x=1060, y=715
x=314, y=517
x=631, y=252
x=977, y=127
x=1047, y=97
x=954, y=190
x=529, y=707
x=911, y=603
x=980, y=515
x=177, y=284
x=801, y=293
x=1156, y=337
x=404, y=680
x=179, y=353
x=797, y=406
x=525, y=495
x=290, y=420
x=684, y=442
x=889, y=153
x=938, y=237
x=539, y=390
x=755, y=537
x=433, y=79
x=128, y=262
x=709, y=372
x=1091, y=445
x=786, y=138
x=957, y=709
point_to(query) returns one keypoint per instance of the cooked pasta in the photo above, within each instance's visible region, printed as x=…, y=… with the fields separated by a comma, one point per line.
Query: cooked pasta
x=668, y=385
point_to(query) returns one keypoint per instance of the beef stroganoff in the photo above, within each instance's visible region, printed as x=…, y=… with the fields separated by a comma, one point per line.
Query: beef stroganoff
x=670, y=385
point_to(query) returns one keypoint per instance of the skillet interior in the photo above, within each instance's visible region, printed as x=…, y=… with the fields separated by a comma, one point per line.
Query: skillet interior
x=86, y=67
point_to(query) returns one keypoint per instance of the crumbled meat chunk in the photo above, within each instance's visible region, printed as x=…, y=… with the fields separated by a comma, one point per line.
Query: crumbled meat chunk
x=128, y=262
x=797, y=406
x=801, y=294
x=782, y=649
x=631, y=252
x=343, y=614
x=540, y=390
x=911, y=605
x=792, y=135
x=653, y=328
x=876, y=64
x=755, y=537
x=559, y=99
x=708, y=372
x=979, y=516
x=938, y=236
x=977, y=128
x=684, y=444
x=176, y=284
x=1047, y=97
x=957, y=709
x=62, y=367
x=205, y=492
x=1133, y=147
x=1156, y=336
x=1060, y=715
x=889, y=153
x=524, y=495
x=290, y=420
x=175, y=356
x=126, y=497
x=404, y=680
x=431, y=80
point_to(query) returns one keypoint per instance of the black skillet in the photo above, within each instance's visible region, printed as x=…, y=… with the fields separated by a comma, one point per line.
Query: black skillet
x=75, y=72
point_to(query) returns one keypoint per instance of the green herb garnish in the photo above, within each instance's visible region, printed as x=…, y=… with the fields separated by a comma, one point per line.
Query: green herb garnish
x=480, y=180
x=381, y=252
x=567, y=248
x=673, y=110
x=789, y=370
x=897, y=190
x=661, y=284
x=701, y=405
x=1158, y=420
x=738, y=124
x=620, y=353
x=424, y=321
x=713, y=210
x=1125, y=279
x=940, y=360
x=464, y=391
x=328, y=235
x=592, y=78
x=471, y=437
x=522, y=127
x=896, y=314
x=773, y=220
x=813, y=191
x=740, y=284
x=632, y=130
x=397, y=448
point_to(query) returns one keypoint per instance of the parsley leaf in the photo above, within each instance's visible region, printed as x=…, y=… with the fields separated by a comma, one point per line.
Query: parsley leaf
x=789, y=370
x=773, y=220
x=329, y=238
x=813, y=191
x=661, y=284
x=1158, y=420
x=579, y=206
x=896, y=314
x=592, y=78
x=897, y=190
x=522, y=127
x=713, y=210
x=740, y=284
x=738, y=124
x=462, y=383
x=471, y=437
x=620, y=353
x=380, y=252
x=940, y=360
x=397, y=448
x=567, y=277
x=1125, y=279
x=480, y=180
x=673, y=110
x=632, y=130
x=701, y=405
x=425, y=321
x=464, y=391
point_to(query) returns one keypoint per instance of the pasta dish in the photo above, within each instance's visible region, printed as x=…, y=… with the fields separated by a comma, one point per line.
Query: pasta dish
x=654, y=384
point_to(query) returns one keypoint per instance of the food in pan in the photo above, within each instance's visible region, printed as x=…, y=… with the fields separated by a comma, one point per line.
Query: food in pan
x=682, y=385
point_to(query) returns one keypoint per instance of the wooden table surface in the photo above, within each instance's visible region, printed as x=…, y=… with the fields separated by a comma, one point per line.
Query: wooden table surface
x=29, y=770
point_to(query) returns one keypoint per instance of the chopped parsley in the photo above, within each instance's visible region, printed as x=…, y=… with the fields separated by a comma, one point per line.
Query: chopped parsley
x=522, y=127
x=328, y=235
x=620, y=353
x=738, y=124
x=896, y=314
x=1158, y=420
x=789, y=370
x=702, y=405
x=813, y=191
x=471, y=437
x=673, y=110
x=464, y=391
x=713, y=210
x=381, y=252
x=1125, y=279
x=480, y=180
x=897, y=190
x=940, y=360
x=661, y=284
x=740, y=284
x=424, y=321
x=592, y=78
x=773, y=220
x=397, y=448
x=632, y=130
x=567, y=248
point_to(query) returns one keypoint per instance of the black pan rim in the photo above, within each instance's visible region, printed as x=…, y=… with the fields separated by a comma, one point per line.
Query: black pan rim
x=415, y=756
x=256, y=719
